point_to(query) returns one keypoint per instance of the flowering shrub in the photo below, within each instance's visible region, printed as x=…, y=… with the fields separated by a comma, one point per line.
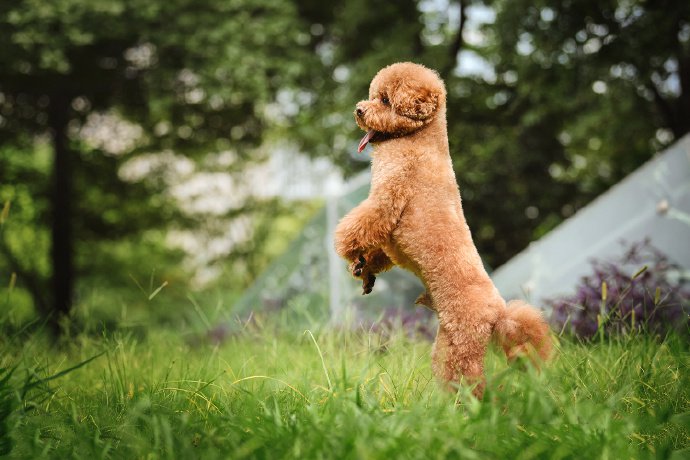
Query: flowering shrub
x=654, y=298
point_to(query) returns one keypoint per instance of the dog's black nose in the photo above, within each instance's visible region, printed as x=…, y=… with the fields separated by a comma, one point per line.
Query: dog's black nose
x=359, y=112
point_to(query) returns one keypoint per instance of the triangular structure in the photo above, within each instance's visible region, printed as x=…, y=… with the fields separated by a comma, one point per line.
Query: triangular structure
x=651, y=203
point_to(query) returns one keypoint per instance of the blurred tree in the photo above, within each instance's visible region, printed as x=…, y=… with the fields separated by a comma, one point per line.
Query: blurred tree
x=573, y=96
x=189, y=74
x=583, y=92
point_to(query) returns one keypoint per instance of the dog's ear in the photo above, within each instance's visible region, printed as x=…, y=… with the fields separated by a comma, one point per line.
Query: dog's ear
x=414, y=101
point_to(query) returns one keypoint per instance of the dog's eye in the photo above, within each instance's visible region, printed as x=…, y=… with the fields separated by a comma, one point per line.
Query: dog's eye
x=385, y=100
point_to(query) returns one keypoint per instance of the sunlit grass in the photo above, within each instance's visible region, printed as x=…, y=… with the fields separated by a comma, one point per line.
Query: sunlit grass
x=273, y=392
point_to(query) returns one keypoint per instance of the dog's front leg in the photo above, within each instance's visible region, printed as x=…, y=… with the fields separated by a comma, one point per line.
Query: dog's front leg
x=365, y=229
x=359, y=237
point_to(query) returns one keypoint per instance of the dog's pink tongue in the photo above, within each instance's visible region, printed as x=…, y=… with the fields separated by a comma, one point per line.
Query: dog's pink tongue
x=365, y=140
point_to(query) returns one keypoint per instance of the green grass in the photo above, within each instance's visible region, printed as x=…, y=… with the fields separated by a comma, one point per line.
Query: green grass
x=279, y=393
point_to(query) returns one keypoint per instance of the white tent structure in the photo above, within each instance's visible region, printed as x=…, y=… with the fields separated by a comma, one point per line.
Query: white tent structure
x=653, y=202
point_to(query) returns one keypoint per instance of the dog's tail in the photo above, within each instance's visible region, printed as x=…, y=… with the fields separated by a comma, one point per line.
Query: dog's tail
x=522, y=331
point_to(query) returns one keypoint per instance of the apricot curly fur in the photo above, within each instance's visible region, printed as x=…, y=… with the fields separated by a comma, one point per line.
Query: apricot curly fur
x=413, y=218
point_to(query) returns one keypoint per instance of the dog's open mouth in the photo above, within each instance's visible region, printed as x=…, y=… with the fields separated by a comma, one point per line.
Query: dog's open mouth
x=370, y=136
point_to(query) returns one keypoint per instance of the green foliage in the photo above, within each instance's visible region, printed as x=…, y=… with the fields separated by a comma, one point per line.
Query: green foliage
x=192, y=74
x=25, y=392
x=19, y=235
x=268, y=392
x=6, y=407
x=583, y=93
x=185, y=73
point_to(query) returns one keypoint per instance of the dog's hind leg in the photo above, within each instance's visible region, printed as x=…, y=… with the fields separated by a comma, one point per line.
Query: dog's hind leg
x=458, y=355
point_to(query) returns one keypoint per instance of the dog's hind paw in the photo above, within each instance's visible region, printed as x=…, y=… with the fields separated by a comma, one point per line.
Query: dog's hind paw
x=368, y=283
x=425, y=299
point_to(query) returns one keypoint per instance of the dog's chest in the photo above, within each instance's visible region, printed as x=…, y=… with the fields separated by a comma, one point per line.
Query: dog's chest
x=399, y=258
x=386, y=174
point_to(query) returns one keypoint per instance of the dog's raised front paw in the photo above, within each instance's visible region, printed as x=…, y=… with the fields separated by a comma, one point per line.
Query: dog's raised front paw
x=358, y=266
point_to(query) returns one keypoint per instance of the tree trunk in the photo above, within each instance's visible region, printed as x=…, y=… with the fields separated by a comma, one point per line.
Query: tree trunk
x=457, y=43
x=61, y=218
x=684, y=99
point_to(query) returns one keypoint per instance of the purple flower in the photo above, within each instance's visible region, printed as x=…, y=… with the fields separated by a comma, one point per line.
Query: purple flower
x=650, y=300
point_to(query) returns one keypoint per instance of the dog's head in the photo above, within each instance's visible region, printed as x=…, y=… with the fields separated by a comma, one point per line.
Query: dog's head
x=403, y=98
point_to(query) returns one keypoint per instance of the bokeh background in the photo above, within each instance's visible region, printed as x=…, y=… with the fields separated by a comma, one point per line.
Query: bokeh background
x=157, y=156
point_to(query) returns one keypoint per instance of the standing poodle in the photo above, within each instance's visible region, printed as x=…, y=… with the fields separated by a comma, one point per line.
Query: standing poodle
x=413, y=218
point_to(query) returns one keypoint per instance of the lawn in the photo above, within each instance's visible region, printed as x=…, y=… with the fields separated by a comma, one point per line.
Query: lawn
x=274, y=392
